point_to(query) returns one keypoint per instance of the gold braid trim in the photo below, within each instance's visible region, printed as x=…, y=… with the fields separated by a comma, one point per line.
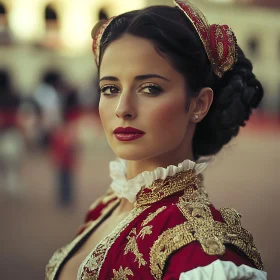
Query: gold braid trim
x=184, y=180
x=200, y=226
x=168, y=242
x=59, y=256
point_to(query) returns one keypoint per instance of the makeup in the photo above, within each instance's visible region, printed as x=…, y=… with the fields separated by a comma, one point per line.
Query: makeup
x=128, y=133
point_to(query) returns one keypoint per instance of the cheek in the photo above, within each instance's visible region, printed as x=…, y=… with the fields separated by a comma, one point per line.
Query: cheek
x=105, y=113
x=169, y=115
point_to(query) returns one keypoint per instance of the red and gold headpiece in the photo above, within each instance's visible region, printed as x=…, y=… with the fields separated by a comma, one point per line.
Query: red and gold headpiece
x=218, y=40
x=97, y=39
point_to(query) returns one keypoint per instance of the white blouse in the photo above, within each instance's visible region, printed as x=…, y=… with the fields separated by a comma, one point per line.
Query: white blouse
x=128, y=189
x=223, y=270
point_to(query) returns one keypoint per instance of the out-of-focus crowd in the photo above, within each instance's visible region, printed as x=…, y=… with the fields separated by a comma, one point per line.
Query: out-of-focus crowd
x=44, y=121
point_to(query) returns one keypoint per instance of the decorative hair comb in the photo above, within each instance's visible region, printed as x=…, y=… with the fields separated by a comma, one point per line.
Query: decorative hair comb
x=97, y=38
x=218, y=40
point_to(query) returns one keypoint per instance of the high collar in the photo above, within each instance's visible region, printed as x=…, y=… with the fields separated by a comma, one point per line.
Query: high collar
x=151, y=186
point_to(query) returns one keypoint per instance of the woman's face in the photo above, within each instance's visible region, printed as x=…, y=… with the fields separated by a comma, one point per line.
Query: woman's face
x=140, y=89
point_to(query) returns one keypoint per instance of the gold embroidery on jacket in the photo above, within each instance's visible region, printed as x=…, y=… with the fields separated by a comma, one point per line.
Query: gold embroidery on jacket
x=169, y=241
x=122, y=274
x=132, y=246
x=93, y=263
x=55, y=260
x=240, y=237
x=147, y=230
x=164, y=188
x=152, y=215
x=59, y=256
x=200, y=226
x=212, y=235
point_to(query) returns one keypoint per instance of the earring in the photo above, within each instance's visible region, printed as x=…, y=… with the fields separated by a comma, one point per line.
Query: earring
x=195, y=117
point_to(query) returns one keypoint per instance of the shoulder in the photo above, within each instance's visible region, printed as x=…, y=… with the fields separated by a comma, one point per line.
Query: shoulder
x=196, y=234
x=98, y=208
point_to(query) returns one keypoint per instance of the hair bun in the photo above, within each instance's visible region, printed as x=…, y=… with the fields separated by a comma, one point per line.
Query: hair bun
x=235, y=95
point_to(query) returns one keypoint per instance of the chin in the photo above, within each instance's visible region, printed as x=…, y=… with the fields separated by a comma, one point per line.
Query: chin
x=131, y=153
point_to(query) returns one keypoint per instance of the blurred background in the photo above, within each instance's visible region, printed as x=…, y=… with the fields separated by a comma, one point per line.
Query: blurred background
x=53, y=153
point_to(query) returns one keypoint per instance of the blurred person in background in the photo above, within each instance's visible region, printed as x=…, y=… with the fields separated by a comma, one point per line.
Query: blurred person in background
x=48, y=96
x=64, y=147
x=11, y=142
x=173, y=91
x=30, y=123
x=63, y=151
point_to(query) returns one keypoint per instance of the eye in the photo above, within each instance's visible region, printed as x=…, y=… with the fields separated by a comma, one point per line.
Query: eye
x=151, y=89
x=109, y=90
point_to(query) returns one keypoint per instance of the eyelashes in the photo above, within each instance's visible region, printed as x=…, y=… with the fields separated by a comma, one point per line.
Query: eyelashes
x=147, y=89
x=106, y=90
x=152, y=89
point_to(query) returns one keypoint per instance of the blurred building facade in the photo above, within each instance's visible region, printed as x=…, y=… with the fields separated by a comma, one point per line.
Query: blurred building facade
x=52, y=34
x=42, y=34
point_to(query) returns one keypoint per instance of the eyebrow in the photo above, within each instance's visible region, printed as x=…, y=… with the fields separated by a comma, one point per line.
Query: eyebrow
x=137, y=78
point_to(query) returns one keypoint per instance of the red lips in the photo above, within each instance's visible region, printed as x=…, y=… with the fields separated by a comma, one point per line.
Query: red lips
x=128, y=133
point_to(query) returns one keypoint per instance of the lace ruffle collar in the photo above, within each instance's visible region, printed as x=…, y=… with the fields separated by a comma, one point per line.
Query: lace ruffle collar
x=129, y=189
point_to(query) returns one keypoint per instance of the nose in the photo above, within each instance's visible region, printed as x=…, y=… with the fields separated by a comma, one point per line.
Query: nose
x=126, y=107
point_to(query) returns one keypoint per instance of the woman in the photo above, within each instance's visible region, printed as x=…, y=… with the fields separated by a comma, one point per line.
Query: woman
x=173, y=90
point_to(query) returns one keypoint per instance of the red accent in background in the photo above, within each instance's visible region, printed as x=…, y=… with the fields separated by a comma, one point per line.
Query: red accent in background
x=266, y=123
x=8, y=117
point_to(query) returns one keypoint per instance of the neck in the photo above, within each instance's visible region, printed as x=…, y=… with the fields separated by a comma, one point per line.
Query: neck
x=135, y=167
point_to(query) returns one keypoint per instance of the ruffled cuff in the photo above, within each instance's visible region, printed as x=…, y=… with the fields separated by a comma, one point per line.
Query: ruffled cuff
x=224, y=270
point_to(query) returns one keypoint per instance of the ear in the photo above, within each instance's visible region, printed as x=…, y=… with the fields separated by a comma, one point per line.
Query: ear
x=201, y=104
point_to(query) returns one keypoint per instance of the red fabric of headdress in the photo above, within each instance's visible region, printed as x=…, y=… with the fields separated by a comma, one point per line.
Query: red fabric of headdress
x=97, y=38
x=218, y=40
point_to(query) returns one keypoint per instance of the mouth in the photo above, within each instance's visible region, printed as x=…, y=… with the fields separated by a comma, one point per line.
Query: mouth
x=128, y=133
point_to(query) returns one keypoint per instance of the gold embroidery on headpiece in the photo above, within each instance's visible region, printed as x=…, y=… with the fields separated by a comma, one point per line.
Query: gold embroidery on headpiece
x=218, y=40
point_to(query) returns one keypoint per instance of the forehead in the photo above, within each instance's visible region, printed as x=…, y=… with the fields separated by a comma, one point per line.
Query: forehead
x=134, y=55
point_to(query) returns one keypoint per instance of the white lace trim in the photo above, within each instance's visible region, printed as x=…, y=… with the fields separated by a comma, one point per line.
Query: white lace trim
x=128, y=189
x=224, y=270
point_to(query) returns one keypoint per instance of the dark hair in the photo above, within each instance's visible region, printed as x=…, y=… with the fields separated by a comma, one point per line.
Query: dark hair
x=174, y=37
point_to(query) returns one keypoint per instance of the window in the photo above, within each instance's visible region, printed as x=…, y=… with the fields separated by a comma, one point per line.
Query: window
x=253, y=45
x=5, y=36
x=50, y=14
x=52, y=35
x=102, y=14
